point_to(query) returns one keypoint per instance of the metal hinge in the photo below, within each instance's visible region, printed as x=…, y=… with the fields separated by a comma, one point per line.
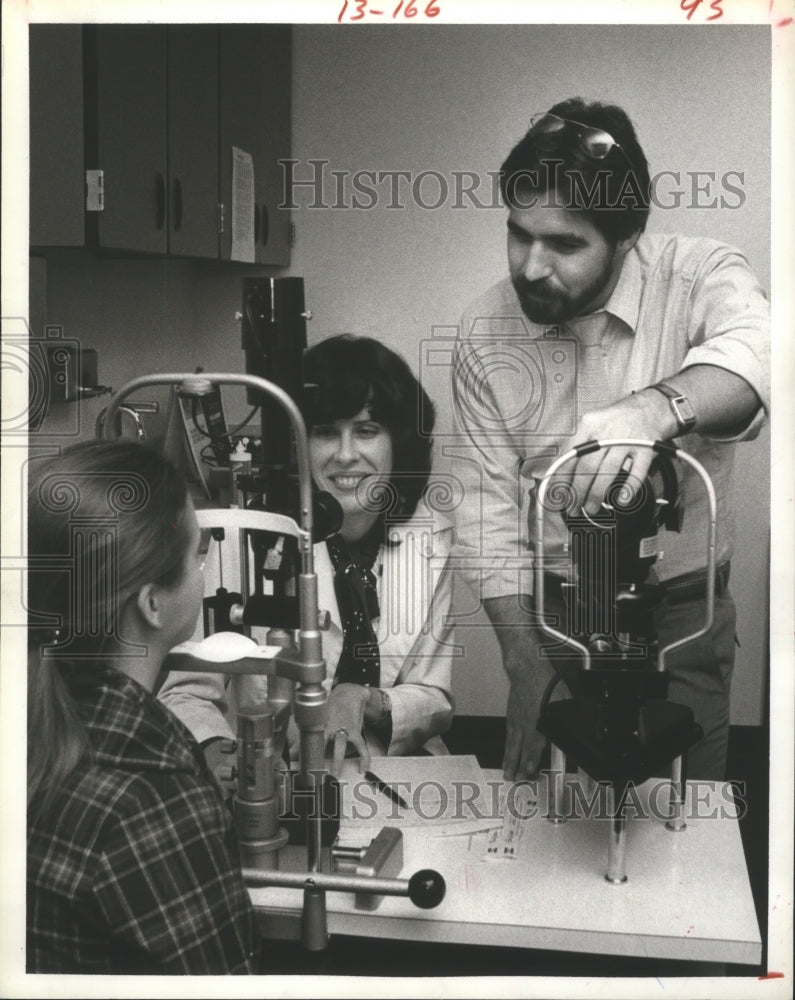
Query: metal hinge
x=95, y=190
x=220, y=217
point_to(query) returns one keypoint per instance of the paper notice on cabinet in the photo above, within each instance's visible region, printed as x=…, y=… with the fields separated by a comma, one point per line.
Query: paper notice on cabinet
x=243, y=206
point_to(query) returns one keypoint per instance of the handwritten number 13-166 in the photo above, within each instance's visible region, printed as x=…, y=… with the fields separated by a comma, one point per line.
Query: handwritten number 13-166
x=690, y=6
x=409, y=10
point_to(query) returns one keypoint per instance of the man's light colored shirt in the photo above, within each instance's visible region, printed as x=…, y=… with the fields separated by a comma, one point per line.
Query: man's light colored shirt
x=519, y=390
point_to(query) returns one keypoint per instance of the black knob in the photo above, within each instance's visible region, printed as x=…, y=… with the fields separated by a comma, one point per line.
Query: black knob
x=426, y=888
x=326, y=515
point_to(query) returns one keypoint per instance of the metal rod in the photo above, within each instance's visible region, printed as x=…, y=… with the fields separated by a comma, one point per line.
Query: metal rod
x=328, y=881
x=348, y=852
x=556, y=785
x=676, y=821
x=270, y=389
x=617, y=847
x=538, y=564
x=710, y=584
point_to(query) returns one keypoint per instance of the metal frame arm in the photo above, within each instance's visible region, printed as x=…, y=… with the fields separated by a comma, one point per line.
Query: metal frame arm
x=585, y=448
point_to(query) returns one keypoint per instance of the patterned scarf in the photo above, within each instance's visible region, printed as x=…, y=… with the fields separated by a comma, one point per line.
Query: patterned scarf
x=357, y=597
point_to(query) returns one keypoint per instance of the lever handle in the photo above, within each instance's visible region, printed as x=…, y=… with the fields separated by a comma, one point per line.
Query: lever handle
x=426, y=888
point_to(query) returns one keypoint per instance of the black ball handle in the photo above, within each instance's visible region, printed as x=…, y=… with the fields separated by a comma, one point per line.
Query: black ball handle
x=426, y=888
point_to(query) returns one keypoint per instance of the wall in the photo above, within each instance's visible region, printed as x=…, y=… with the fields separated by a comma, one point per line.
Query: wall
x=421, y=100
x=454, y=99
x=143, y=316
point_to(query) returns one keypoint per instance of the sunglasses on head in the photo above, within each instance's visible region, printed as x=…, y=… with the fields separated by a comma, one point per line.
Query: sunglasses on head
x=594, y=142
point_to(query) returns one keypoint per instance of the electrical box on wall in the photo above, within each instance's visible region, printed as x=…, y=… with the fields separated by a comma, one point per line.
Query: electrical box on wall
x=73, y=372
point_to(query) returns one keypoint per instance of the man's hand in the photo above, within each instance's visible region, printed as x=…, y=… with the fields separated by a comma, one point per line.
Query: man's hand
x=723, y=403
x=529, y=675
x=529, y=671
x=644, y=416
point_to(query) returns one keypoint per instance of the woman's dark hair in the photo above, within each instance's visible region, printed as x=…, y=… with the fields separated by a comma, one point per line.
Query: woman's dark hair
x=104, y=518
x=614, y=193
x=343, y=375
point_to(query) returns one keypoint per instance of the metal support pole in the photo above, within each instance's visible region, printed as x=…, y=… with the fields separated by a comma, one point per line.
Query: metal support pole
x=616, y=854
x=556, y=786
x=676, y=822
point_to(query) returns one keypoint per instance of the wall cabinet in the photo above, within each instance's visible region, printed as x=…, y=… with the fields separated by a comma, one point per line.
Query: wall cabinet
x=158, y=110
x=254, y=66
x=125, y=138
x=57, y=178
x=193, y=150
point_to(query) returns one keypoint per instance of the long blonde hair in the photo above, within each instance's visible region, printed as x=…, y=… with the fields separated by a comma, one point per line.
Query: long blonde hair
x=104, y=518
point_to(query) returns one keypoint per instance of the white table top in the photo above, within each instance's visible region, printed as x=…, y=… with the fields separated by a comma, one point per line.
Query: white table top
x=687, y=896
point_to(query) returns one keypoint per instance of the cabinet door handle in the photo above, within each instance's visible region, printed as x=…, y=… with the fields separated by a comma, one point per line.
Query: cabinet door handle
x=160, y=201
x=177, y=204
x=256, y=222
x=266, y=225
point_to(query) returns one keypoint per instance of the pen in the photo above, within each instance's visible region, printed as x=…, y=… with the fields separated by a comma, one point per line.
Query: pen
x=388, y=790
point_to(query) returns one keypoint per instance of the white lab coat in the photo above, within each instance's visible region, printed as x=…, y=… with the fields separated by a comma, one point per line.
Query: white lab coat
x=414, y=638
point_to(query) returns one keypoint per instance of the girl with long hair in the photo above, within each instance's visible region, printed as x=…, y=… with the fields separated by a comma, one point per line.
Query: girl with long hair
x=131, y=864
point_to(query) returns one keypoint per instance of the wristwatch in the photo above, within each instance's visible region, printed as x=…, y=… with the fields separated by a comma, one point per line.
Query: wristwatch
x=680, y=406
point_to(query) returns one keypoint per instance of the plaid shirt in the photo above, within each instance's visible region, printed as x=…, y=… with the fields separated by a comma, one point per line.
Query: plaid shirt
x=136, y=870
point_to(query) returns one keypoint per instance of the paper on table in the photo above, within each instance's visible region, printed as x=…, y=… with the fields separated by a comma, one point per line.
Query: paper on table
x=505, y=842
x=243, y=206
x=444, y=794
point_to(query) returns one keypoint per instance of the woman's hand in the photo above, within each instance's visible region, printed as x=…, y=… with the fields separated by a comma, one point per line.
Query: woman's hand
x=346, y=707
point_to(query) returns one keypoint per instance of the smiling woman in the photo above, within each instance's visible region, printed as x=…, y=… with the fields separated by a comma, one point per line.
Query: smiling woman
x=359, y=384
x=348, y=456
x=362, y=409
x=384, y=578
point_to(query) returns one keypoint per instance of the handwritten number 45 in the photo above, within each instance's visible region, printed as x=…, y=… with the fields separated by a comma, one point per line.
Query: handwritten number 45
x=690, y=6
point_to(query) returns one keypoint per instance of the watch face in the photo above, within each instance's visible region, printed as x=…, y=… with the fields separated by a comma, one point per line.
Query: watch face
x=683, y=411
